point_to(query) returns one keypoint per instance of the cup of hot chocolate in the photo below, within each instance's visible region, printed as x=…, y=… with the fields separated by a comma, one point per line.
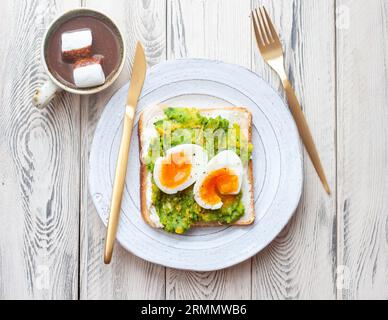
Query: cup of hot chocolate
x=83, y=52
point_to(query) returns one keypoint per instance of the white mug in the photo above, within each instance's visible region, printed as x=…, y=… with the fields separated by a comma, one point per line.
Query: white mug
x=53, y=86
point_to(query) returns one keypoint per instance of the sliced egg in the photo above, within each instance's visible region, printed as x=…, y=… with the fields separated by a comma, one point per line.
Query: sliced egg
x=222, y=177
x=179, y=168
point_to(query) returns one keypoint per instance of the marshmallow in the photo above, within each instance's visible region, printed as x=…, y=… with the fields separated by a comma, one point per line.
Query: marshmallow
x=77, y=44
x=88, y=72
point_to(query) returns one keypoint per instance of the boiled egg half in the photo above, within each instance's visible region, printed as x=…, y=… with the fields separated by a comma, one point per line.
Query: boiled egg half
x=222, y=178
x=179, y=168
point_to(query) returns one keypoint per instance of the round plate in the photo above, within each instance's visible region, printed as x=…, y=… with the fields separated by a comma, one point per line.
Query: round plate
x=277, y=164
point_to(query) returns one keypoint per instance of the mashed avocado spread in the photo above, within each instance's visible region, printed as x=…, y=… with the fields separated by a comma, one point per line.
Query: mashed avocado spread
x=177, y=212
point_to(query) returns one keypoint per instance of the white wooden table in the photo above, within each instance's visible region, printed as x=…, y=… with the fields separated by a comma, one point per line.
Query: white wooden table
x=51, y=239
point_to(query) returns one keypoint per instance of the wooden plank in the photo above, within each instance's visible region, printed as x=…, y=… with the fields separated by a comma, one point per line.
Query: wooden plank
x=216, y=30
x=39, y=154
x=300, y=263
x=128, y=277
x=362, y=73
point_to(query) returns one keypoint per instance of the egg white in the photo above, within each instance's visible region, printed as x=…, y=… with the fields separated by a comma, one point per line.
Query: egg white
x=198, y=159
x=225, y=159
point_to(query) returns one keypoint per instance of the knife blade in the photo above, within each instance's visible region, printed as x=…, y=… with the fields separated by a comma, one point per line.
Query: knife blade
x=135, y=88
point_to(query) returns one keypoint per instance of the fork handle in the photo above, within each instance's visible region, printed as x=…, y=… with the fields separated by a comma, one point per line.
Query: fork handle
x=305, y=132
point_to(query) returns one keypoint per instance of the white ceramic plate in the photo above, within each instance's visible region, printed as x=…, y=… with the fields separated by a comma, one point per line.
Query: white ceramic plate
x=277, y=163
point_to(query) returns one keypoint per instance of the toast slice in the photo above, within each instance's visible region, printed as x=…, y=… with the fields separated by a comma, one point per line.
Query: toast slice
x=146, y=130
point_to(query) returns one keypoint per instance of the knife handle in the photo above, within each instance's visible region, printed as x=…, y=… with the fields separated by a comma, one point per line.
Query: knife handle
x=119, y=183
x=304, y=132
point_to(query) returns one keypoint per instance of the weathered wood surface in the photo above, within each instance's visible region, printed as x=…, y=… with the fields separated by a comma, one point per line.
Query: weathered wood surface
x=362, y=148
x=51, y=239
x=39, y=154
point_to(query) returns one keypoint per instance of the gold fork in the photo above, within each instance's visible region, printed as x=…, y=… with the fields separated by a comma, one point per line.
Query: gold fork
x=272, y=52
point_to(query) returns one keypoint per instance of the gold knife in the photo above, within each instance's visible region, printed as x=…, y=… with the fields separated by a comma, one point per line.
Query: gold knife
x=135, y=88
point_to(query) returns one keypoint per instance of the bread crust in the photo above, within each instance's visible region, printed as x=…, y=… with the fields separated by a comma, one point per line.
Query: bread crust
x=143, y=174
x=143, y=178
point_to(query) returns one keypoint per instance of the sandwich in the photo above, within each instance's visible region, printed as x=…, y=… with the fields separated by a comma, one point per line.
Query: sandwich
x=196, y=167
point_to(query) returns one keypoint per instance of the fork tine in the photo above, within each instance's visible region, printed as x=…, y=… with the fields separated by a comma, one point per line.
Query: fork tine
x=265, y=24
x=273, y=31
x=262, y=27
x=258, y=35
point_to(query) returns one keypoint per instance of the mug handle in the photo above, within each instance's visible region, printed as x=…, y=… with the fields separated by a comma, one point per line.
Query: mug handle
x=45, y=94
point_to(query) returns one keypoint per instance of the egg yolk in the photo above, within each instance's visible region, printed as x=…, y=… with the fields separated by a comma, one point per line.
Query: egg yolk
x=217, y=184
x=175, y=170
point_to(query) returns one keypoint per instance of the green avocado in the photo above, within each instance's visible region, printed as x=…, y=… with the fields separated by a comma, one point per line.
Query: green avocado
x=178, y=212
